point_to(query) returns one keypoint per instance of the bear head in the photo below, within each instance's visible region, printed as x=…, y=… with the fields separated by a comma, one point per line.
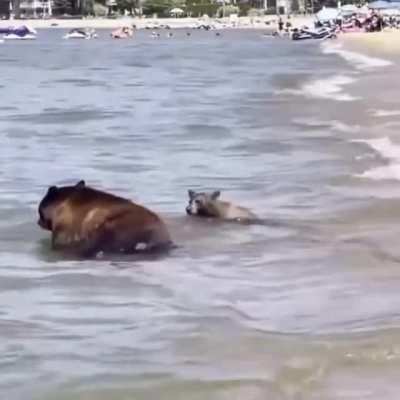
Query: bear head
x=54, y=197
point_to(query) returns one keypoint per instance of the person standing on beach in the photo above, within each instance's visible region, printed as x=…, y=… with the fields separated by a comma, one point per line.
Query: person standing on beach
x=280, y=25
x=288, y=24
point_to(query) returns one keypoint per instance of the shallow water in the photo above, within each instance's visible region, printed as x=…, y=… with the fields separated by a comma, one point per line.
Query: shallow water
x=304, y=307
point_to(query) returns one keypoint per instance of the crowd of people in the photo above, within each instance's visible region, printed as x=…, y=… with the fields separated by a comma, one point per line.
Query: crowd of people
x=372, y=22
x=367, y=20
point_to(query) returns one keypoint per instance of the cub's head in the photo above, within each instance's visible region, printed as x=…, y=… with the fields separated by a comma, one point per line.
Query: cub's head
x=50, y=202
x=202, y=204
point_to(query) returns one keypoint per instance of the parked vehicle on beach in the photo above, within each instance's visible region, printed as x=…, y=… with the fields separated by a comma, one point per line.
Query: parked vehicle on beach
x=319, y=33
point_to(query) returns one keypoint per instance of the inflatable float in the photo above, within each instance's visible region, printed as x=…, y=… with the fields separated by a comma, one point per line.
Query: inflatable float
x=22, y=32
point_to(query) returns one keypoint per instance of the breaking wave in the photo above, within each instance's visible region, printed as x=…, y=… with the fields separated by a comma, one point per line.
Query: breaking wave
x=326, y=88
x=358, y=60
x=388, y=150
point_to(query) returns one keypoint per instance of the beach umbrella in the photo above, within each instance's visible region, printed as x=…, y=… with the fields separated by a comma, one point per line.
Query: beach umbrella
x=390, y=11
x=349, y=8
x=176, y=11
x=380, y=5
x=363, y=10
x=327, y=14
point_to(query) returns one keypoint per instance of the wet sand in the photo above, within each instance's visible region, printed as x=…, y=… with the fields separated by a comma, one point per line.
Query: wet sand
x=377, y=43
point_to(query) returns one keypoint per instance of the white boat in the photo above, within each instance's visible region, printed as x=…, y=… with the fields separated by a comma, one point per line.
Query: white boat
x=81, y=34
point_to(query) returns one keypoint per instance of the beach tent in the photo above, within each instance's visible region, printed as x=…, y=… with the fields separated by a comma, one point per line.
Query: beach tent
x=327, y=14
x=380, y=5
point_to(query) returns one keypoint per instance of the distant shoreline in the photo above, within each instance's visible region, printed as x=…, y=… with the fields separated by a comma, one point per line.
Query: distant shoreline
x=266, y=22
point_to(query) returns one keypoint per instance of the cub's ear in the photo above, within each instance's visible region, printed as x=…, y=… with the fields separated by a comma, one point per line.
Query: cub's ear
x=191, y=194
x=80, y=184
x=215, y=195
x=52, y=190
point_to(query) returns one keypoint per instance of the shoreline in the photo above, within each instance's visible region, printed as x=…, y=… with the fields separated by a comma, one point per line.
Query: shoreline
x=375, y=43
x=265, y=22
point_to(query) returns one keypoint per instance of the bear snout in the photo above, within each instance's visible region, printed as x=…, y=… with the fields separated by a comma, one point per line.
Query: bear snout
x=189, y=210
x=43, y=224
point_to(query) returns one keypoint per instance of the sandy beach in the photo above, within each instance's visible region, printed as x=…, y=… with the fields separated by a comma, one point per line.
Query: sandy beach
x=174, y=23
x=386, y=42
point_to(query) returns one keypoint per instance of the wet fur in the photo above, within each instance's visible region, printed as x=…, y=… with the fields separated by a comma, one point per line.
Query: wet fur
x=88, y=221
x=208, y=205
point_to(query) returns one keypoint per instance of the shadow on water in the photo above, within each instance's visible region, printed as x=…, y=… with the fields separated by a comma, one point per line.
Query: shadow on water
x=48, y=255
x=191, y=235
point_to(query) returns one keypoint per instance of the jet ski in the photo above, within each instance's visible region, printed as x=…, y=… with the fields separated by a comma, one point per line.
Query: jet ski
x=319, y=34
x=81, y=34
x=22, y=32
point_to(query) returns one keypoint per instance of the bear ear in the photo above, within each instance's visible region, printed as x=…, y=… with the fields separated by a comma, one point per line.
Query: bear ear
x=80, y=184
x=191, y=194
x=215, y=194
x=52, y=190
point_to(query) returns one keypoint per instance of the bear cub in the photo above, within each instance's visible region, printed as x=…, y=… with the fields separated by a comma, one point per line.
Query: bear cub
x=209, y=205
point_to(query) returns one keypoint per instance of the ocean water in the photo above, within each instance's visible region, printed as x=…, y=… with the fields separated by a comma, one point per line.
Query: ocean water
x=304, y=134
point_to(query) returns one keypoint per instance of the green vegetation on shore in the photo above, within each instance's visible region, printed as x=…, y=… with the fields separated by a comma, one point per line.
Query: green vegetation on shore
x=165, y=8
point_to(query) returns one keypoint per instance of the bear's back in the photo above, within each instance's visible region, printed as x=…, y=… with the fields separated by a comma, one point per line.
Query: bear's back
x=106, y=222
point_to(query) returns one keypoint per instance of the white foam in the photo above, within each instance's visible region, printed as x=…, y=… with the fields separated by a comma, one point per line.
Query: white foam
x=384, y=113
x=388, y=172
x=384, y=146
x=360, y=61
x=334, y=124
x=389, y=150
x=328, y=88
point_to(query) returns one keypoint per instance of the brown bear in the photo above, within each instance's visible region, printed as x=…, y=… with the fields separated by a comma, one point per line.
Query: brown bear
x=88, y=221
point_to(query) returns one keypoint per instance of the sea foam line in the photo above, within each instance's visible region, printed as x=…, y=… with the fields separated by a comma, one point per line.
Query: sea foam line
x=360, y=61
x=329, y=88
x=384, y=113
x=334, y=124
x=326, y=88
x=387, y=149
